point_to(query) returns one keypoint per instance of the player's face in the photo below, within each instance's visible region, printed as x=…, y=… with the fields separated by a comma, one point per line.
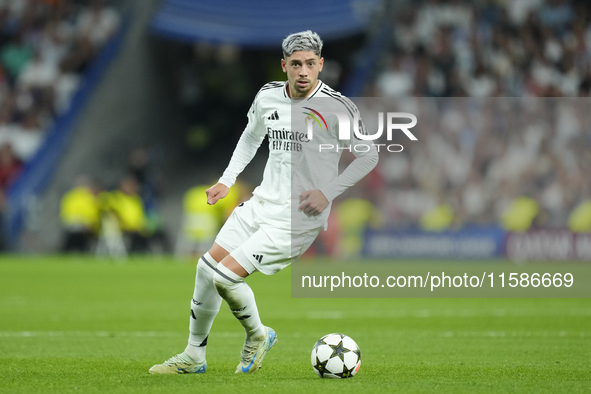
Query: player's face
x=302, y=69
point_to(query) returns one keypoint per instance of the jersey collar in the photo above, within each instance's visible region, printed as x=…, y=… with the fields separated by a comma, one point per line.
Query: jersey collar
x=316, y=90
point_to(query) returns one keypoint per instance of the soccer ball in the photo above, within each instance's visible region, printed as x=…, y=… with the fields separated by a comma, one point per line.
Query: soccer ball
x=336, y=356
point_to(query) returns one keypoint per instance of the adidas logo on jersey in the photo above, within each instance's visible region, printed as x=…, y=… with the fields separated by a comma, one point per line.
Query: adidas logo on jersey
x=258, y=257
x=274, y=116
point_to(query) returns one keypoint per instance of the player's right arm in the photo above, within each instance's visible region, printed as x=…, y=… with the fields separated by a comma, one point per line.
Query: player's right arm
x=216, y=192
x=247, y=146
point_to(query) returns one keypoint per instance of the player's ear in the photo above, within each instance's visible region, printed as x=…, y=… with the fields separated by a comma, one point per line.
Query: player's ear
x=284, y=65
x=320, y=64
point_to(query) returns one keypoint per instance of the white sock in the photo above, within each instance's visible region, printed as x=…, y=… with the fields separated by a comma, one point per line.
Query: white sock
x=240, y=299
x=205, y=305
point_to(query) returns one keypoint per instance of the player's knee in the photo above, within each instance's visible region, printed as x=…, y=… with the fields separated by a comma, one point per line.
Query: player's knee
x=222, y=284
x=203, y=267
x=225, y=280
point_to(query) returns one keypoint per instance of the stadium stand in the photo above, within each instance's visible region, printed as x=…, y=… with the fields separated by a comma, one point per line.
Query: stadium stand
x=44, y=47
x=476, y=52
x=491, y=49
x=48, y=50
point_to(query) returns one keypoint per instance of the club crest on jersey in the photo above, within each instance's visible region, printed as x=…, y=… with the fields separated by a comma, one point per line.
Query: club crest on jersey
x=313, y=115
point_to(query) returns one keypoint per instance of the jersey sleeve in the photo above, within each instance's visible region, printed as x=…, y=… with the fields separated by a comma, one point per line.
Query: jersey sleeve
x=366, y=158
x=247, y=146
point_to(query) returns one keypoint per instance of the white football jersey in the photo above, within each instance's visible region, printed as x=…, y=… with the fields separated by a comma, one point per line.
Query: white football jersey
x=296, y=163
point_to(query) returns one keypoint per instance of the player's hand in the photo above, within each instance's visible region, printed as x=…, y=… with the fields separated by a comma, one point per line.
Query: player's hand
x=313, y=202
x=216, y=192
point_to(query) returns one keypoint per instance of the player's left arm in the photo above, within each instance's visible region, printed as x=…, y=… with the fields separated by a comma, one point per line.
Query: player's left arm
x=314, y=202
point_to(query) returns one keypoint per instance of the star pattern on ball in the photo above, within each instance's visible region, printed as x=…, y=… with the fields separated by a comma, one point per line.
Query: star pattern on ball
x=347, y=373
x=320, y=342
x=339, y=350
x=320, y=366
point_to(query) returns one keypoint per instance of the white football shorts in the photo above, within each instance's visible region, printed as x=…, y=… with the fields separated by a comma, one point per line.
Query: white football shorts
x=258, y=242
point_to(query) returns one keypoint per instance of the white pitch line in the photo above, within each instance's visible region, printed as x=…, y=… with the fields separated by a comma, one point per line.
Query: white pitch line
x=482, y=334
x=325, y=315
x=102, y=334
x=517, y=334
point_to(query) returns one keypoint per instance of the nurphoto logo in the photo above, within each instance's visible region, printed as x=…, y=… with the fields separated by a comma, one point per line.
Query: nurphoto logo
x=345, y=129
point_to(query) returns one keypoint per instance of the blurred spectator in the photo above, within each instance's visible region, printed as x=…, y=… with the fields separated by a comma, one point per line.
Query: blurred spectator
x=438, y=218
x=579, y=220
x=10, y=169
x=98, y=22
x=54, y=44
x=80, y=216
x=15, y=56
x=10, y=166
x=201, y=222
x=520, y=214
x=141, y=167
x=79, y=57
x=395, y=81
x=27, y=136
x=353, y=217
x=126, y=204
x=239, y=193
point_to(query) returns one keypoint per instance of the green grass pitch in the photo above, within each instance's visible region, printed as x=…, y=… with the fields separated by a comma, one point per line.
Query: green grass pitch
x=80, y=325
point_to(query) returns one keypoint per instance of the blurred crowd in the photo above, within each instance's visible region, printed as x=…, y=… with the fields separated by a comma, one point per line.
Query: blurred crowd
x=514, y=162
x=125, y=218
x=116, y=220
x=45, y=47
x=489, y=48
x=477, y=157
x=491, y=149
x=501, y=89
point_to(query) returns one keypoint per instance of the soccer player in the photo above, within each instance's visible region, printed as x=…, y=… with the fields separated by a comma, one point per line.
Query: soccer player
x=265, y=234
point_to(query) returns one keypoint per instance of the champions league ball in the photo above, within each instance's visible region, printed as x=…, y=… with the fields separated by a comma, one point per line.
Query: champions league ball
x=336, y=356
